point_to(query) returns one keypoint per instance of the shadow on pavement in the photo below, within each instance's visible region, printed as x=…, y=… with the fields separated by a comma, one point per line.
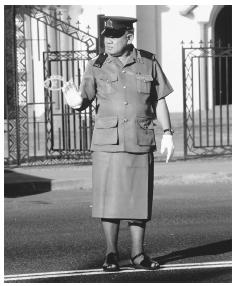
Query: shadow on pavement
x=208, y=249
x=18, y=185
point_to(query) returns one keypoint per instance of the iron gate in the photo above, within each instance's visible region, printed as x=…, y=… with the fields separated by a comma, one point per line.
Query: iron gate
x=68, y=133
x=39, y=126
x=207, y=100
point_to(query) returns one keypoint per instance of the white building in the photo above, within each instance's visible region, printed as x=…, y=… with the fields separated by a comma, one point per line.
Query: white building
x=160, y=29
x=48, y=42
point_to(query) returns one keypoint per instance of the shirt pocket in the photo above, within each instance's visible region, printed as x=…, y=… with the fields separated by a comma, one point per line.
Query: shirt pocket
x=107, y=83
x=144, y=82
x=145, y=132
x=105, y=131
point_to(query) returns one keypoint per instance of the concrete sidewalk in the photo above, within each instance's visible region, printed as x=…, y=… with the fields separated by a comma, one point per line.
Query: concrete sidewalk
x=32, y=180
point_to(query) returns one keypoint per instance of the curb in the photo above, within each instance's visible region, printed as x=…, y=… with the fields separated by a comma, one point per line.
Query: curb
x=16, y=189
x=188, y=179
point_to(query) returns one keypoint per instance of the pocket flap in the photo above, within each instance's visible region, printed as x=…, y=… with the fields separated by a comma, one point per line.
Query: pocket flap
x=106, y=122
x=144, y=77
x=145, y=123
x=108, y=78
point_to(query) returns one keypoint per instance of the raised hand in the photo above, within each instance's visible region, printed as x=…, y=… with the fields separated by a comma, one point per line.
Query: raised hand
x=72, y=94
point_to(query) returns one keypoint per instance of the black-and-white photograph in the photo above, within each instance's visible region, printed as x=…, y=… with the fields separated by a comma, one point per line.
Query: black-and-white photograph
x=117, y=143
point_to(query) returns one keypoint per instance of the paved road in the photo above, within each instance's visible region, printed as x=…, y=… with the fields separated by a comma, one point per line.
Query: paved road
x=54, y=232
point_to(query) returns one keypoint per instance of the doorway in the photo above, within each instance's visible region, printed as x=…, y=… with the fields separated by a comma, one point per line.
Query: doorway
x=223, y=65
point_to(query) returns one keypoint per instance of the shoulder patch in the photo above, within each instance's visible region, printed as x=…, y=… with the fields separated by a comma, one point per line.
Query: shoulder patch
x=100, y=60
x=146, y=54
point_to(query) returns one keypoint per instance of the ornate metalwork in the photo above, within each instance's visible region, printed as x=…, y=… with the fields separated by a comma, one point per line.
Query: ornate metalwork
x=68, y=55
x=201, y=124
x=61, y=26
x=82, y=158
x=63, y=145
x=57, y=135
x=17, y=101
x=21, y=88
x=10, y=81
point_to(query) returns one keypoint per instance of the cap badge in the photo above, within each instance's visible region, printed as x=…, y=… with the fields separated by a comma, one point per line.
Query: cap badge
x=109, y=23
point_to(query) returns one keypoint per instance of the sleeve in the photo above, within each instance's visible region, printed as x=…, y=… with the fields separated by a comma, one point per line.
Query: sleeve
x=88, y=86
x=162, y=85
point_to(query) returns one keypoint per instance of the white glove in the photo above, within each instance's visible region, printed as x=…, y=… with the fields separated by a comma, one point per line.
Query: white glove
x=72, y=94
x=167, y=143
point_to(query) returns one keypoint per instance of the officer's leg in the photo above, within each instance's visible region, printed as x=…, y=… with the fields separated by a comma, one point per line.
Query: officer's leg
x=138, y=257
x=111, y=230
x=137, y=230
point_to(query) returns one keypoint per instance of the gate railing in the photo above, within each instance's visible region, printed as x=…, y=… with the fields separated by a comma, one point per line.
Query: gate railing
x=68, y=133
x=31, y=110
x=64, y=27
x=207, y=99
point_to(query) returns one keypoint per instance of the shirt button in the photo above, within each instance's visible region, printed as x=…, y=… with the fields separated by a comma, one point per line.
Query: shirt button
x=125, y=103
x=124, y=71
x=125, y=120
x=124, y=86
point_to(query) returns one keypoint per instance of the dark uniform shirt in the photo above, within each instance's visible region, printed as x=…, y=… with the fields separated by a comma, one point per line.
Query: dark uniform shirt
x=126, y=99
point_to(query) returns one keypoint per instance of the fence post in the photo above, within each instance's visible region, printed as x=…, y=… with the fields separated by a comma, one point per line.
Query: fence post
x=184, y=102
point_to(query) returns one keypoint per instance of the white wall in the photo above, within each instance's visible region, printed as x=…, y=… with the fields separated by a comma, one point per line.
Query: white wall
x=176, y=28
x=147, y=28
x=161, y=29
x=87, y=14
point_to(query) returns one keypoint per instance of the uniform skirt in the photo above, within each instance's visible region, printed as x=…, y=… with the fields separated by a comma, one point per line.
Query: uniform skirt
x=122, y=185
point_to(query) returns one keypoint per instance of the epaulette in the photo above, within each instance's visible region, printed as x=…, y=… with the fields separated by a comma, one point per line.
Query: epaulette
x=146, y=54
x=100, y=60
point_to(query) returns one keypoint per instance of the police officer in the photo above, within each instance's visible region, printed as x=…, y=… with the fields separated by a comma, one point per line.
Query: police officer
x=130, y=89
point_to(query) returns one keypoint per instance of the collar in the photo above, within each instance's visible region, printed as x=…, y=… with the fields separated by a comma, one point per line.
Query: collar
x=109, y=59
x=134, y=56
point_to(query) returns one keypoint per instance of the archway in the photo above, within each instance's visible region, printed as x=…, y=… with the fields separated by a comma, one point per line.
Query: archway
x=223, y=65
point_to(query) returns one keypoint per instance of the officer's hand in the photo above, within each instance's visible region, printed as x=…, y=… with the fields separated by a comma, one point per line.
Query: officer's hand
x=167, y=144
x=72, y=94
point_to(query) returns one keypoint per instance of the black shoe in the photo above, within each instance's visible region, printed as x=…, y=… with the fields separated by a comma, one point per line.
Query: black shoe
x=111, y=262
x=147, y=263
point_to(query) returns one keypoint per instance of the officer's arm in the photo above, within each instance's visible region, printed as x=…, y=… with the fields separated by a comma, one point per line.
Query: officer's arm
x=164, y=118
x=87, y=88
x=162, y=89
x=163, y=115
